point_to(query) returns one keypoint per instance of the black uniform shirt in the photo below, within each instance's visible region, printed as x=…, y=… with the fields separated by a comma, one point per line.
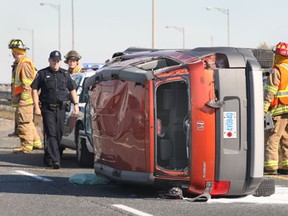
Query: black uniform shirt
x=53, y=85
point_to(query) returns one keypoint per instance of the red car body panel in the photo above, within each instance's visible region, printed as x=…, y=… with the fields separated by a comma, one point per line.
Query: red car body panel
x=121, y=124
x=203, y=128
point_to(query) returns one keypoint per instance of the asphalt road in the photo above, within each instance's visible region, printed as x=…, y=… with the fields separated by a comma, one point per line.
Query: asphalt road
x=27, y=188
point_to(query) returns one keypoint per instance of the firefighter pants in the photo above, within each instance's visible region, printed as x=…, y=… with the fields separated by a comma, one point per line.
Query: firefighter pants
x=53, y=122
x=279, y=135
x=27, y=132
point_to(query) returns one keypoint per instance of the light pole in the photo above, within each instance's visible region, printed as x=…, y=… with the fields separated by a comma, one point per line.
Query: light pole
x=72, y=7
x=226, y=12
x=153, y=24
x=32, y=34
x=180, y=30
x=57, y=7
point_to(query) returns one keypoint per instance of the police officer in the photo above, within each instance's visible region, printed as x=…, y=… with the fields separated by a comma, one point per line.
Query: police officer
x=55, y=84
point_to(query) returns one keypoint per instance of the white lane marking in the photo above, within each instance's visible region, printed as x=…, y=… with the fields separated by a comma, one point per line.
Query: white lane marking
x=134, y=211
x=33, y=176
x=280, y=197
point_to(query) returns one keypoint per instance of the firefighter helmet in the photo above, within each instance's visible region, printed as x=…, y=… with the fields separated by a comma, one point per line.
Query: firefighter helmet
x=17, y=43
x=72, y=54
x=281, y=48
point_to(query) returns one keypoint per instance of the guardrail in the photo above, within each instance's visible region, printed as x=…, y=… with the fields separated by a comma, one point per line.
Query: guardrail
x=5, y=97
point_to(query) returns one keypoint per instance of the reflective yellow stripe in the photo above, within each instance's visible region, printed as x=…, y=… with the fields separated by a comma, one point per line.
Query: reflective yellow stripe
x=25, y=96
x=279, y=110
x=285, y=163
x=271, y=89
x=284, y=65
x=266, y=106
x=37, y=143
x=282, y=93
x=271, y=163
x=27, y=81
x=29, y=148
x=29, y=101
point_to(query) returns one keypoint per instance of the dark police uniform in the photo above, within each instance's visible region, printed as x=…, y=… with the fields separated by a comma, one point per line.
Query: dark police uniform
x=55, y=88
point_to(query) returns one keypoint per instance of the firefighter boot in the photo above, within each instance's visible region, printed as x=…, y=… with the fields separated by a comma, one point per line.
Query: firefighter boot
x=14, y=134
x=270, y=172
x=282, y=172
x=37, y=145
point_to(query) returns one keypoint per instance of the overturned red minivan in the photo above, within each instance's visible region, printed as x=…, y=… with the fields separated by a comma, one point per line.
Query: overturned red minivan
x=186, y=118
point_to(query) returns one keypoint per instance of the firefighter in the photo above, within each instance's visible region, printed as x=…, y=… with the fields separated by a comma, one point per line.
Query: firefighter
x=23, y=74
x=72, y=59
x=54, y=83
x=276, y=103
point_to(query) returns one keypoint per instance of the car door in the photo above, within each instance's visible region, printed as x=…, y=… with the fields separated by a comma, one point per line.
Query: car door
x=70, y=120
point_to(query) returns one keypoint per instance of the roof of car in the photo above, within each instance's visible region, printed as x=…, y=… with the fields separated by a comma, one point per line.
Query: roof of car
x=142, y=65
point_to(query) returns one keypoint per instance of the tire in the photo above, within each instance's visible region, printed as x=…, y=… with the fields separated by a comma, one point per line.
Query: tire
x=84, y=157
x=61, y=150
x=265, y=188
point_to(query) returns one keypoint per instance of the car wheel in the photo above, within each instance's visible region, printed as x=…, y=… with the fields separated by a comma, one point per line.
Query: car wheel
x=265, y=188
x=61, y=150
x=84, y=157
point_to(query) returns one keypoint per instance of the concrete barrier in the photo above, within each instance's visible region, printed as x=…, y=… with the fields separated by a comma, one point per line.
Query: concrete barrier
x=5, y=97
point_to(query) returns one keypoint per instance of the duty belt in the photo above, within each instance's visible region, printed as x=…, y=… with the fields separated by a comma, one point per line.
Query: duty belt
x=58, y=105
x=55, y=105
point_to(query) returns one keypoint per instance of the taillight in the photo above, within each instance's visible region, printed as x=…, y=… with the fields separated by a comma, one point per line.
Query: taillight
x=220, y=188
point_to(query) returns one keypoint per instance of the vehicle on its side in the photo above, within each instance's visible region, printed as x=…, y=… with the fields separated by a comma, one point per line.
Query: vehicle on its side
x=186, y=118
x=73, y=125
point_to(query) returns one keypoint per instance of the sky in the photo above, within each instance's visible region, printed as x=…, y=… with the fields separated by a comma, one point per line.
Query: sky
x=103, y=27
